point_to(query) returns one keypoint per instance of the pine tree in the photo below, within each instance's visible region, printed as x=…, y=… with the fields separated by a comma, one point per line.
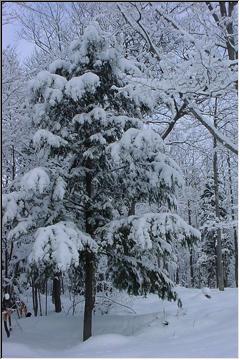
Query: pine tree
x=14, y=160
x=142, y=247
x=206, y=262
x=95, y=158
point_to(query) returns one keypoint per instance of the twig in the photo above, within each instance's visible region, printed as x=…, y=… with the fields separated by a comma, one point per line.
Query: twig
x=102, y=296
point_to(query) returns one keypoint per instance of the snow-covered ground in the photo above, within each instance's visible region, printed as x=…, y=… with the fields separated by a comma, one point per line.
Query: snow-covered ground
x=202, y=328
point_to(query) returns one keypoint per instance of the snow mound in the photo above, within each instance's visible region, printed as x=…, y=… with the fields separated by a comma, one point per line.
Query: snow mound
x=206, y=291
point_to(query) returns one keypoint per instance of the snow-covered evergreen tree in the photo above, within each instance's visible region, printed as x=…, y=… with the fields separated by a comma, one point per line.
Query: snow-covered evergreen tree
x=15, y=161
x=206, y=263
x=142, y=247
x=95, y=158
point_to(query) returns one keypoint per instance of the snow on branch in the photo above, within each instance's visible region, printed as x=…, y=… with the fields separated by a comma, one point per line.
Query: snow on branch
x=211, y=128
x=177, y=27
x=59, y=189
x=60, y=245
x=144, y=151
x=36, y=180
x=153, y=227
x=224, y=225
x=59, y=65
x=137, y=26
x=47, y=87
x=43, y=136
x=10, y=206
x=22, y=228
x=77, y=87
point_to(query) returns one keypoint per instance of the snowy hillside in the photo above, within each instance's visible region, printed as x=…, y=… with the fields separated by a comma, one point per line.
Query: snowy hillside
x=204, y=327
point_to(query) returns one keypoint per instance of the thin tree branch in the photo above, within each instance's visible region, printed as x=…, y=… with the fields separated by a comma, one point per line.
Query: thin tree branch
x=217, y=135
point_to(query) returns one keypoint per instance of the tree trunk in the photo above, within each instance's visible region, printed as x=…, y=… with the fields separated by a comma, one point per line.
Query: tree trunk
x=191, y=248
x=34, y=296
x=177, y=276
x=6, y=261
x=89, y=259
x=220, y=277
x=11, y=251
x=57, y=293
x=62, y=284
x=40, y=304
x=46, y=289
x=36, y=300
x=230, y=41
x=236, y=255
x=131, y=210
x=33, y=299
x=73, y=304
x=13, y=163
x=89, y=295
x=233, y=218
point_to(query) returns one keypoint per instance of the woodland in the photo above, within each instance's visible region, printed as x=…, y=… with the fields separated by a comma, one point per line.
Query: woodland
x=119, y=155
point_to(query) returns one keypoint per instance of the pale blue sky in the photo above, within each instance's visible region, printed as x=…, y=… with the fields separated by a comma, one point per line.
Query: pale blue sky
x=10, y=37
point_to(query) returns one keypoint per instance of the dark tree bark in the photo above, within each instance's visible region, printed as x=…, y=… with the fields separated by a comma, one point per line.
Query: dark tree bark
x=89, y=264
x=35, y=300
x=220, y=272
x=62, y=284
x=177, y=276
x=220, y=277
x=57, y=293
x=11, y=251
x=46, y=289
x=6, y=261
x=179, y=113
x=34, y=296
x=230, y=41
x=13, y=163
x=89, y=295
x=131, y=210
x=191, y=248
x=233, y=218
x=40, y=304
x=226, y=13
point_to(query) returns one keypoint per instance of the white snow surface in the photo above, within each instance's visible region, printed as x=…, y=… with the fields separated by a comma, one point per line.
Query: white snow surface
x=59, y=190
x=42, y=136
x=203, y=328
x=58, y=64
x=60, y=243
x=157, y=224
x=78, y=86
x=36, y=180
x=50, y=86
x=10, y=206
x=140, y=145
